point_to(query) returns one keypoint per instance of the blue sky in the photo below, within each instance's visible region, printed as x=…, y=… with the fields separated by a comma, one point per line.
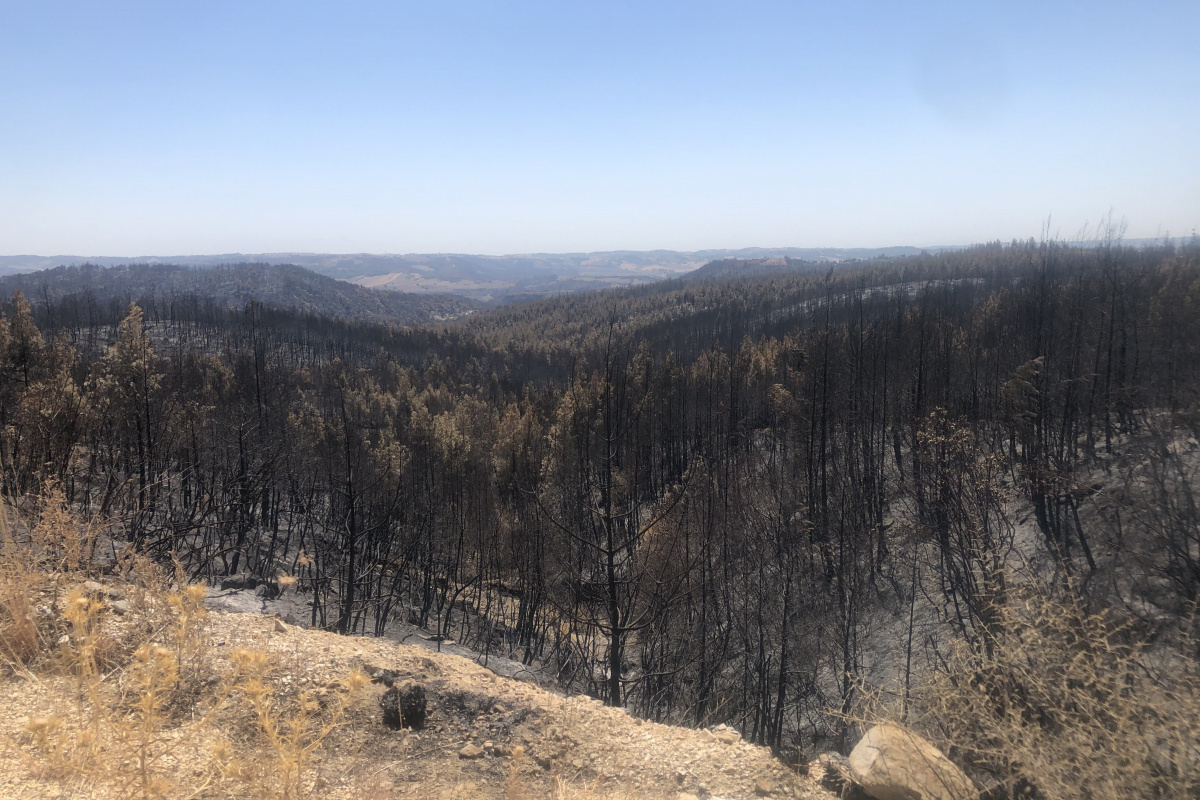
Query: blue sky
x=181, y=126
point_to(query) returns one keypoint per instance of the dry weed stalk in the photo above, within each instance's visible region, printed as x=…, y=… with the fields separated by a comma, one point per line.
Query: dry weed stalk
x=63, y=543
x=155, y=674
x=189, y=633
x=513, y=789
x=21, y=641
x=291, y=730
x=81, y=655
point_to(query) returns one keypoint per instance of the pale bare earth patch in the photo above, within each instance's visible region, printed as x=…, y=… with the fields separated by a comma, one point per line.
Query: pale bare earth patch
x=527, y=742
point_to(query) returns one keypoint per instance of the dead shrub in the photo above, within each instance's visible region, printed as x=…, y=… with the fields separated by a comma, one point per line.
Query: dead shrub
x=21, y=641
x=35, y=561
x=1070, y=704
x=61, y=542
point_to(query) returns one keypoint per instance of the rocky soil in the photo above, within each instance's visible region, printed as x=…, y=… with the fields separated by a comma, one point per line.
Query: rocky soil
x=485, y=736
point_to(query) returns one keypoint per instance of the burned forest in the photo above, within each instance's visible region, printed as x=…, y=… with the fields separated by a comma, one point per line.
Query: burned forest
x=772, y=499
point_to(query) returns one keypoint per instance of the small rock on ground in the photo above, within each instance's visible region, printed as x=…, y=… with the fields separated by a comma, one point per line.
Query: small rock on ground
x=470, y=751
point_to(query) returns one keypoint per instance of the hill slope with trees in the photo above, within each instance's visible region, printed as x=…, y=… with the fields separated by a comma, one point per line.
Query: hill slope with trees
x=74, y=295
x=776, y=502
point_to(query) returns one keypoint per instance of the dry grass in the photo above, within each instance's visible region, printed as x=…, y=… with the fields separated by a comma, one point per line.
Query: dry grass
x=1070, y=705
x=21, y=640
x=26, y=561
x=60, y=542
x=137, y=693
x=110, y=730
x=291, y=728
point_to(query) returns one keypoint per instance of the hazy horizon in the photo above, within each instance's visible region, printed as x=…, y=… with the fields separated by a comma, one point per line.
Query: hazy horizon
x=501, y=129
x=383, y=254
x=397, y=254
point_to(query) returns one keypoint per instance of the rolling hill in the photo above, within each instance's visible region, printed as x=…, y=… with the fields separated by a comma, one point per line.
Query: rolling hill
x=482, y=277
x=277, y=285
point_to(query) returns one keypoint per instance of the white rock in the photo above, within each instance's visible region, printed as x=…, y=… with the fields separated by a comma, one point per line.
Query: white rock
x=891, y=763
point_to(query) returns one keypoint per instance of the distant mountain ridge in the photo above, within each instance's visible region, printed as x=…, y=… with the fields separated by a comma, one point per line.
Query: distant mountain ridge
x=278, y=285
x=485, y=278
x=507, y=277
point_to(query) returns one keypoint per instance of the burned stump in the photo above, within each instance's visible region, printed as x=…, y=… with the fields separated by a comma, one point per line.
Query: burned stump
x=404, y=706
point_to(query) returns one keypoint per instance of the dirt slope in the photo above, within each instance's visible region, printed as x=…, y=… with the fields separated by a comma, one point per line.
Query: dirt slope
x=534, y=743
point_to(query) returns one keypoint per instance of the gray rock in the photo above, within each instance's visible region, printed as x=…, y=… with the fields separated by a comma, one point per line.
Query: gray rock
x=381, y=675
x=119, y=607
x=242, y=580
x=891, y=763
x=727, y=736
